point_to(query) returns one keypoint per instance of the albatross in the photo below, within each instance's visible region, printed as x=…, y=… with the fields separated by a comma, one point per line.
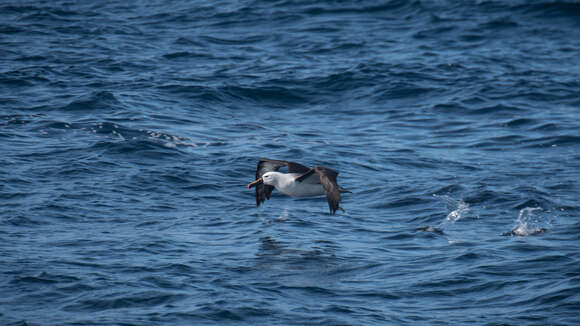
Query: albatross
x=300, y=181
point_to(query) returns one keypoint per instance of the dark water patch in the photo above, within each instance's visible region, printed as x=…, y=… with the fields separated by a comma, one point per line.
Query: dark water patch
x=413, y=163
x=405, y=202
x=309, y=290
x=467, y=257
x=365, y=9
x=33, y=58
x=59, y=125
x=450, y=108
x=21, y=220
x=520, y=122
x=21, y=323
x=550, y=295
x=237, y=41
x=403, y=91
x=351, y=79
x=123, y=301
x=44, y=278
x=142, y=148
x=123, y=135
x=265, y=94
x=14, y=195
x=473, y=37
x=556, y=9
x=217, y=314
x=501, y=23
x=186, y=55
x=498, y=110
x=15, y=82
x=528, y=203
x=552, y=141
x=96, y=101
x=450, y=189
x=209, y=94
x=548, y=127
x=501, y=142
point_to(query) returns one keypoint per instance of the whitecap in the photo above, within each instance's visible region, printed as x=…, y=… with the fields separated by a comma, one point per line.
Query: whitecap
x=529, y=222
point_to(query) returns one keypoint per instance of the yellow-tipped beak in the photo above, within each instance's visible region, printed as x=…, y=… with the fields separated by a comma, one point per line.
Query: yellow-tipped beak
x=255, y=182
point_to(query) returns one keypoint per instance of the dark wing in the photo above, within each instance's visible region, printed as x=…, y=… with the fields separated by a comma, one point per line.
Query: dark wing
x=263, y=191
x=328, y=180
x=305, y=176
x=266, y=165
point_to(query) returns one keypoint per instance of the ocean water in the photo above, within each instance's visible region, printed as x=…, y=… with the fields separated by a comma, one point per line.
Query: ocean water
x=130, y=129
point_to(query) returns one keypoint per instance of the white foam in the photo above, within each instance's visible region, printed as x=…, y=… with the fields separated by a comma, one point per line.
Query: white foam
x=460, y=211
x=529, y=222
x=459, y=208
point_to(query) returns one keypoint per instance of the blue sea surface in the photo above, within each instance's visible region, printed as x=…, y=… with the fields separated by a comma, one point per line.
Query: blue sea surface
x=129, y=131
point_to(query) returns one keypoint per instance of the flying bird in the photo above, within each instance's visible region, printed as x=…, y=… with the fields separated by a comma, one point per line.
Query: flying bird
x=300, y=181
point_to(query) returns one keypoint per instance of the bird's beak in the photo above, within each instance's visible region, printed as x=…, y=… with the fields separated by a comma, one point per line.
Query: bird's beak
x=255, y=182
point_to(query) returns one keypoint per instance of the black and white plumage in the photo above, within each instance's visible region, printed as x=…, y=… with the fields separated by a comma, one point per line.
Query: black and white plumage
x=300, y=181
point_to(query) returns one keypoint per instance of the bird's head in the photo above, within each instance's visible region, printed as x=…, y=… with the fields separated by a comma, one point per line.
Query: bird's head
x=269, y=178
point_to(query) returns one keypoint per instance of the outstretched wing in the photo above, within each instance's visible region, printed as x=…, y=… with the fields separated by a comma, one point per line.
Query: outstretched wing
x=331, y=188
x=263, y=191
x=327, y=178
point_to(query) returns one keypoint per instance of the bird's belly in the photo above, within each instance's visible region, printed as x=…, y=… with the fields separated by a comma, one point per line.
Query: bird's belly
x=304, y=190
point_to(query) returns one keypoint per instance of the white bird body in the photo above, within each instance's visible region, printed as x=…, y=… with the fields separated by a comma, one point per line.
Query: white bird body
x=286, y=183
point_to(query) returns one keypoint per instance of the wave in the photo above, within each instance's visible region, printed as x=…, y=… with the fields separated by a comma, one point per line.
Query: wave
x=95, y=101
x=125, y=301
